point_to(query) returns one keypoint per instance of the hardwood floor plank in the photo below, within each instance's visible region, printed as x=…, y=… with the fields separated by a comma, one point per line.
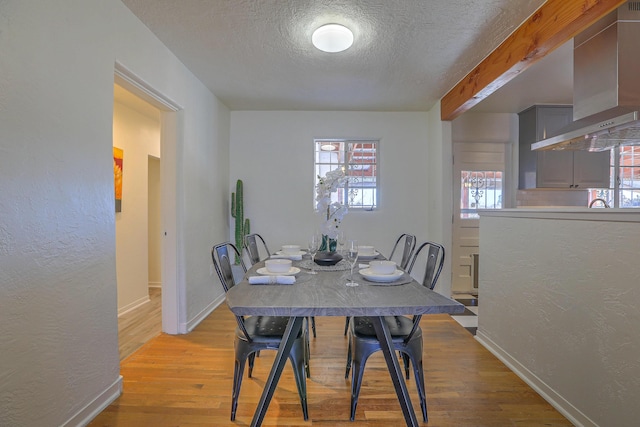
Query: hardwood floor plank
x=138, y=326
x=186, y=380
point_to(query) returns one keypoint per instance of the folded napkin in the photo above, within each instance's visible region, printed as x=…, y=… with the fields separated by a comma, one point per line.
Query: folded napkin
x=285, y=256
x=272, y=280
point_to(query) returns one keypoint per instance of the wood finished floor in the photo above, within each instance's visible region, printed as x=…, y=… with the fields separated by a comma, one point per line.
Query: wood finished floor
x=138, y=326
x=185, y=380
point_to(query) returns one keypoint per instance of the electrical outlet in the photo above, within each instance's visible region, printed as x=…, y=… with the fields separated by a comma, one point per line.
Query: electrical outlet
x=211, y=270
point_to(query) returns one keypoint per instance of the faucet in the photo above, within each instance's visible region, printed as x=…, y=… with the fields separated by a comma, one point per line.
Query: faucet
x=604, y=202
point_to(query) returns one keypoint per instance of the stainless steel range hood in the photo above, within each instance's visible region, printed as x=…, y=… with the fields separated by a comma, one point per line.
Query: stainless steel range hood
x=606, y=85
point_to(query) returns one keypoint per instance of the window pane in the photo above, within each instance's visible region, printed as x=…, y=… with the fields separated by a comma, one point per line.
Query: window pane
x=600, y=193
x=362, y=175
x=359, y=160
x=479, y=190
x=629, y=177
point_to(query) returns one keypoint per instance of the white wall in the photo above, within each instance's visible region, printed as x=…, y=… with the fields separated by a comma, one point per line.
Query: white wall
x=485, y=127
x=138, y=135
x=155, y=224
x=272, y=152
x=439, y=169
x=59, y=360
x=493, y=127
x=560, y=306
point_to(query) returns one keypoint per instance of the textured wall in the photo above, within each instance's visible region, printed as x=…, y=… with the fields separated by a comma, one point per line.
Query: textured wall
x=272, y=152
x=560, y=300
x=58, y=326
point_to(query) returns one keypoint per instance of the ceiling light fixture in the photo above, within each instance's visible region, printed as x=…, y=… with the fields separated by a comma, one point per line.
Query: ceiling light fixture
x=327, y=147
x=332, y=38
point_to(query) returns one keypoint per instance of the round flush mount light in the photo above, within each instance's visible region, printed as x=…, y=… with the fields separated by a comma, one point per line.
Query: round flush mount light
x=332, y=38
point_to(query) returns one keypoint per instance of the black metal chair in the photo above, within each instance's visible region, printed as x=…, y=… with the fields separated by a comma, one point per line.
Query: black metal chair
x=253, y=251
x=405, y=332
x=408, y=247
x=256, y=333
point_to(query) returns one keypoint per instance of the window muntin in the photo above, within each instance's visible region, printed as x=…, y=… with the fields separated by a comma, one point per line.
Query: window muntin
x=479, y=190
x=359, y=158
x=629, y=177
x=624, y=191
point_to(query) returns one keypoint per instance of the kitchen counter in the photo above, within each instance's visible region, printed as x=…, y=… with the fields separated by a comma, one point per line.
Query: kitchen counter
x=561, y=306
x=574, y=213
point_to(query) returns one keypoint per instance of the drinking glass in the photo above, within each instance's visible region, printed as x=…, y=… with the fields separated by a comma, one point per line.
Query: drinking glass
x=341, y=242
x=314, y=245
x=352, y=258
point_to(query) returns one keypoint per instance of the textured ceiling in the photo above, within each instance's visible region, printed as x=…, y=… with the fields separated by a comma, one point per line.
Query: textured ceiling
x=407, y=54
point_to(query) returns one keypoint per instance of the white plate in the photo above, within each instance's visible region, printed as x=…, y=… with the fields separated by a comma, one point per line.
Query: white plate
x=371, y=276
x=291, y=254
x=375, y=254
x=292, y=271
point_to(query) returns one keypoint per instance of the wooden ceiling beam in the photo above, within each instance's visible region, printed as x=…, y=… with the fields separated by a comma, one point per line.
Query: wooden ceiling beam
x=553, y=24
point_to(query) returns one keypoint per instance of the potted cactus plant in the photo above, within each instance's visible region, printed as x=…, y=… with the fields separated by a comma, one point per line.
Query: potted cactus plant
x=242, y=227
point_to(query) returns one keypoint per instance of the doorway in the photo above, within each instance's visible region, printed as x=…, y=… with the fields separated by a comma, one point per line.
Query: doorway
x=171, y=119
x=478, y=183
x=136, y=141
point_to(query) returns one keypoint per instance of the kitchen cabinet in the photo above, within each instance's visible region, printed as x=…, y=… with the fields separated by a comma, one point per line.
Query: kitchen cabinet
x=556, y=169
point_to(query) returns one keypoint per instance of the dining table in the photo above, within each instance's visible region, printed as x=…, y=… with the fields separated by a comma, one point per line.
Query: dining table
x=325, y=294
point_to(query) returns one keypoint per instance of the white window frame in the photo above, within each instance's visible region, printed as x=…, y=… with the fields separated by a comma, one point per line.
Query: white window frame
x=360, y=184
x=613, y=194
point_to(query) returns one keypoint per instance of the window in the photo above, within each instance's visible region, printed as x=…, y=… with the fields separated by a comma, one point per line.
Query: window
x=359, y=158
x=479, y=190
x=624, y=191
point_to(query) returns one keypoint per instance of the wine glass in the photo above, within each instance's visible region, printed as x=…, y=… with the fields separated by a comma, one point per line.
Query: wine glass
x=352, y=258
x=341, y=242
x=313, y=245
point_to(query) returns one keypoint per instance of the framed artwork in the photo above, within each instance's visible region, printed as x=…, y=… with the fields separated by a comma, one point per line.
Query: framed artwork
x=117, y=176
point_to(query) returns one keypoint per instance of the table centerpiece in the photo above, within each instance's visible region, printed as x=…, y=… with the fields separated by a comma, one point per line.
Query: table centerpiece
x=332, y=213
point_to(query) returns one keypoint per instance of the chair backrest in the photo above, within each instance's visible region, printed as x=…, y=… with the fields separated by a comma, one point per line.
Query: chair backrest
x=408, y=247
x=251, y=246
x=222, y=254
x=435, y=261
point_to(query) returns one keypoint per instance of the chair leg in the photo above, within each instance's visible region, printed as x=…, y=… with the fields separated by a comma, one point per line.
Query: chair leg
x=405, y=359
x=418, y=372
x=356, y=382
x=346, y=325
x=307, y=350
x=237, y=382
x=252, y=358
x=346, y=374
x=313, y=326
x=297, y=358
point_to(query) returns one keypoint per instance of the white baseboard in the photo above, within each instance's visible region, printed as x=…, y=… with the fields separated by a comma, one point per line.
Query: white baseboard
x=97, y=405
x=132, y=306
x=155, y=284
x=188, y=327
x=573, y=414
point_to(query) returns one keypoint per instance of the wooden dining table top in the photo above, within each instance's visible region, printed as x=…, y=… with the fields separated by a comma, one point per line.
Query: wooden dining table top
x=325, y=294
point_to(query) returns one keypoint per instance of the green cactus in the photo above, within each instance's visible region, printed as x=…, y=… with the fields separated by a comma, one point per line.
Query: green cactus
x=237, y=212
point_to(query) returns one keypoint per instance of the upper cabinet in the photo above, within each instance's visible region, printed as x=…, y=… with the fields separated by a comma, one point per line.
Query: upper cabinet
x=556, y=169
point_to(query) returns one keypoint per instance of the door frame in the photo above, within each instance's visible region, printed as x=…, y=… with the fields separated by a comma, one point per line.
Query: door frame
x=464, y=159
x=171, y=119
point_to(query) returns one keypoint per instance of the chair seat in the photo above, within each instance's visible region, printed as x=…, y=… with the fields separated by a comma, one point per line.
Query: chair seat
x=265, y=328
x=399, y=327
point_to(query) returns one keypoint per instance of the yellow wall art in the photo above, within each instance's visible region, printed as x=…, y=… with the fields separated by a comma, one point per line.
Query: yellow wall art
x=117, y=175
